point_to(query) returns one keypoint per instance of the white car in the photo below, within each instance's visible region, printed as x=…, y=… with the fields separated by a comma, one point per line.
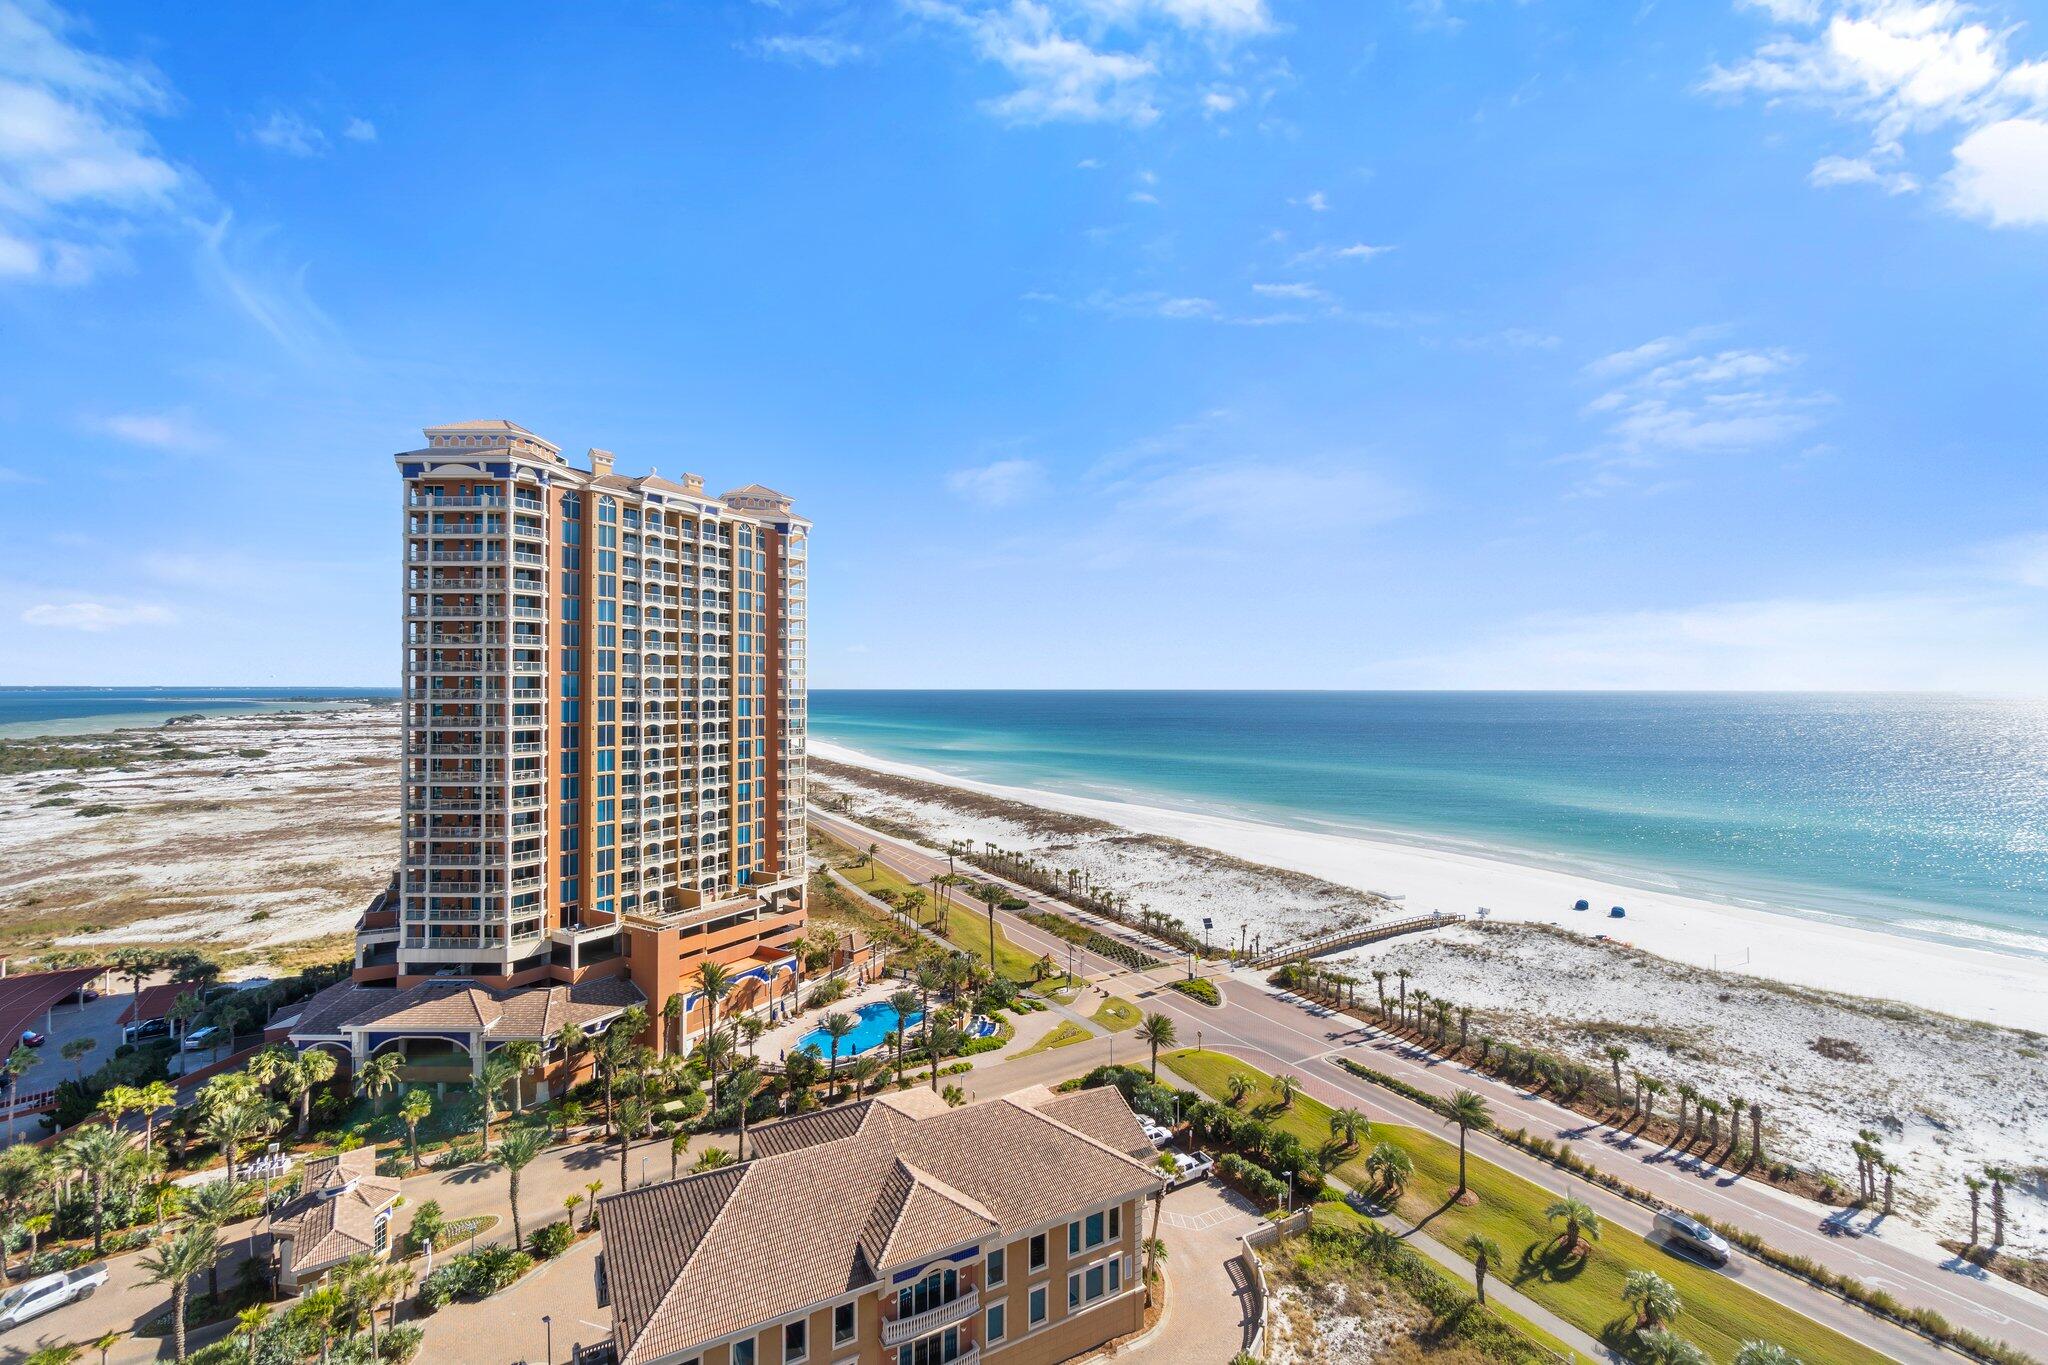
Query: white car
x=1158, y=1133
x=46, y=1292
x=198, y=1040
x=1190, y=1167
x=1690, y=1235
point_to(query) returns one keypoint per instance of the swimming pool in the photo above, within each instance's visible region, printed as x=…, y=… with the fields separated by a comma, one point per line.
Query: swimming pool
x=871, y=1022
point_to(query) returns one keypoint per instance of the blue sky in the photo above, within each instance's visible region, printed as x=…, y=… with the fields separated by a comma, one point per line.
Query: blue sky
x=1109, y=342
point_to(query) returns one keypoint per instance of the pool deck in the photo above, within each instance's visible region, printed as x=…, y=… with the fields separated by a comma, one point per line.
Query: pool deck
x=783, y=1038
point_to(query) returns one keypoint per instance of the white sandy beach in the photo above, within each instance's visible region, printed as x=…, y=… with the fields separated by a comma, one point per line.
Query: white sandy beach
x=1809, y=1024
x=1799, y=949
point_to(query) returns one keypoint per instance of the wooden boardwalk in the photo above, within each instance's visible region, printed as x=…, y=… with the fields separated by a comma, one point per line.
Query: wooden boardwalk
x=1339, y=940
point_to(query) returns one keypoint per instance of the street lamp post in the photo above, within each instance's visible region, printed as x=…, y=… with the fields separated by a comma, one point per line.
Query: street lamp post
x=547, y=1320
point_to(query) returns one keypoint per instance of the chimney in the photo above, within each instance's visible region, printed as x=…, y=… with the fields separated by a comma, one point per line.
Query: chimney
x=600, y=461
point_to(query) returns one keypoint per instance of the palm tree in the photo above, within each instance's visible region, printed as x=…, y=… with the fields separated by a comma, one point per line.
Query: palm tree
x=1379, y=979
x=104, y=1343
x=991, y=895
x=1652, y=1088
x=378, y=1077
x=1765, y=1353
x=1350, y=1125
x=743, y=1085
x=24, y=1181
x=59, y=1353
x=610, y=1052
x=97, y=1154
x=632, y=1121
x=1616, y=1055
x=18, y=1063
x=234, y=1121
x=1401, y=974
x=943, y=1041
x=499, y=1070
x=526, y=1058
x=516, y=1151
x=214, y=1205
x=1653, y=1298
x=672, y=1017
x=150, y=1100
x=1156, y=1032
x=836, y=1027
x=176, y=1261
x=118, y=1100
x=1237, y=1086
x=714, y=980
x=867, y=859
x=1999, y=1177
x=315, y=1067
x=1468, y=1111
x=249, y=1325
x=1581, y=1224
x=413, y=1110
x=1286, y=1088
x=1391, y=1165
x=1485, y=1254
x=902, y=1004
x=1976, y=1189
x=1666, y=1348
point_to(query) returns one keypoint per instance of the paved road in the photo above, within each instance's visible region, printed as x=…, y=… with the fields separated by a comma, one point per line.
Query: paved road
x=1276, y=1031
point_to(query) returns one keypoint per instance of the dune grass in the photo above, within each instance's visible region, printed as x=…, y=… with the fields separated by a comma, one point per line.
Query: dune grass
x=1720, y=1313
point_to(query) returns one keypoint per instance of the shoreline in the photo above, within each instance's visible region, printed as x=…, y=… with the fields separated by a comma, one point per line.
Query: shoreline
x=112, y=722
x=1800, y=949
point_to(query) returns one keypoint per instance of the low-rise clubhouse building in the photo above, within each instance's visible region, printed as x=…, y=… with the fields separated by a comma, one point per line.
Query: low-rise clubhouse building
x=895, y=1231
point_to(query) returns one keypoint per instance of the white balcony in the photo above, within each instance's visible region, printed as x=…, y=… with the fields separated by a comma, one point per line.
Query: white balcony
x=896, y=1331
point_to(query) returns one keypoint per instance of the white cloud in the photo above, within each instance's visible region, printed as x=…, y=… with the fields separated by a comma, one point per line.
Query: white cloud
x=290, y=134
x=1860, y=170
x=1357, y=251
x=998, y=484
x=161, y=430
x=91, y=616
x=2001, y=174
x=77, y=167
x=1102, y=61
x=1671, y=397
x=1289, y=291
x=1308, y=494
x=1315, y=202
x=1221, y=101
x=812, y=49
x=359, y=130
x=1904, y=68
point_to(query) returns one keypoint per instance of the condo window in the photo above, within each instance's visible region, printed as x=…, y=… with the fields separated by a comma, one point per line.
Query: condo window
x=844, y=1324
x=1036, y=1305
x=743, y=1352
x=996, y=1326
x=1037, y=1255
x=997, y=1266
x=795, y=1341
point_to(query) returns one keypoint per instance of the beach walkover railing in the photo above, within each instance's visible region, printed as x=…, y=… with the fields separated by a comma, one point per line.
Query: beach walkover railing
x=1337, y=940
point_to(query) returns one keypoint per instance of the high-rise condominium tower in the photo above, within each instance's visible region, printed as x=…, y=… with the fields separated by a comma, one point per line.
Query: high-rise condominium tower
x=604, y=721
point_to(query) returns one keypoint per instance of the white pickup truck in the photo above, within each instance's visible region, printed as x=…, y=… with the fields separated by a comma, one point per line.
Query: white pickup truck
x=46, y=1292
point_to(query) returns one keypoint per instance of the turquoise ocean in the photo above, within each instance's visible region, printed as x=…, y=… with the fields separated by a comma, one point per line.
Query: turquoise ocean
x=1921, y=813
x=29, y=711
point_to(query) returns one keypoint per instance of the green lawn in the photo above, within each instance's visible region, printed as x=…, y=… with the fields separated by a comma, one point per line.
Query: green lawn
x=967, y=923
x=1067, y=1032
x=1720, y=1314
x=1118, y=1014
x=1335, y=1213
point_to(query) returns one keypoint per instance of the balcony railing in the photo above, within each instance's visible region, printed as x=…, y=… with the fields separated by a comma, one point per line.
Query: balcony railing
x=896, y=1331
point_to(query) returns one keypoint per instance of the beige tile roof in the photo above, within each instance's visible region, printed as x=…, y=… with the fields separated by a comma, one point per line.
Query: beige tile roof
x=463, y=1006
x=831, y=1200
x=334, y=1215
x=1101, y=1114
x=483, y=424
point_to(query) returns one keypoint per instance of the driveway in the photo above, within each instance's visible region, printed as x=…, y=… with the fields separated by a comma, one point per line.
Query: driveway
x=1210, y=1311
x=508, y=1326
